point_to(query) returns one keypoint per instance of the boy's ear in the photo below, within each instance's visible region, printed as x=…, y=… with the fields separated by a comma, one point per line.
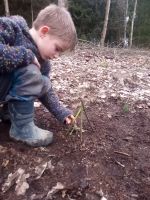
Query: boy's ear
x=44, y=30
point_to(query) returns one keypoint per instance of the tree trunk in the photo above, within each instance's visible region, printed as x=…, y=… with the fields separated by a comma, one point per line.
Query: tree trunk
x=7, y=13
x=103, y=35
x=126, y=19
x=32, y=15
x=63, y=3
x=132, y=23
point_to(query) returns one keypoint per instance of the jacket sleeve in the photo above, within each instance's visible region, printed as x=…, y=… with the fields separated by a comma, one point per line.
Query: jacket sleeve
x=11, y=56
x=51, y=101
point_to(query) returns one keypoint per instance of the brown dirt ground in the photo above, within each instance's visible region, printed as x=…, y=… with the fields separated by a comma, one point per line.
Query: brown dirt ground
x=114, y=157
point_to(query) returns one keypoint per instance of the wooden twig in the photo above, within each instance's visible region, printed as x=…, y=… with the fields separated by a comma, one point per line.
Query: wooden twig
x=86, y=114
x=122, y=153
x=80, y=112
x=120, y=164
x=81, y=125
x=75, y=126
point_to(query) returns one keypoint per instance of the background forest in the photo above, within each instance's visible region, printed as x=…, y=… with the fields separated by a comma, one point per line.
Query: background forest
x=89, y=16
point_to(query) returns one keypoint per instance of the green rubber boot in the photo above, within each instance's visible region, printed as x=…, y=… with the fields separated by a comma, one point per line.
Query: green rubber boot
x=23, y=127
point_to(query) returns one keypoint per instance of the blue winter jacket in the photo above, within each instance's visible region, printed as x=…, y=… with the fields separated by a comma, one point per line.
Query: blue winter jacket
x=18, y=49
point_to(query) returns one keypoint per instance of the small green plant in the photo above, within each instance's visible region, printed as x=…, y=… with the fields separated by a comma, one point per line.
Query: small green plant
x=126, y=108
x=75, y=128
x=103, y=63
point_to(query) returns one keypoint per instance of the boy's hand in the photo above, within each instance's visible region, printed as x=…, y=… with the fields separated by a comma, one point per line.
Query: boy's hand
x=36, y=62
x=70, y=120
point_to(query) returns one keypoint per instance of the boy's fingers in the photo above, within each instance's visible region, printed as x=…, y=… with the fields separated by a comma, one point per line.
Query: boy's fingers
x=70, y=119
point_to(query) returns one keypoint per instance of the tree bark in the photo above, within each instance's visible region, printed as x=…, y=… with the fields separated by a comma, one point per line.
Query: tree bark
x=103, y=35
x=132, y=23
x=7, y=13
x=32, y=15
x=126, y=18
x=63, y=3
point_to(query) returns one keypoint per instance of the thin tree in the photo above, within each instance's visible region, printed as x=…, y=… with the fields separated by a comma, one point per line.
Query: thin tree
x=132, y=23
x=63, y=3
x=103, y=34
x=32, y=15
x=126, y=19
x=7, y=13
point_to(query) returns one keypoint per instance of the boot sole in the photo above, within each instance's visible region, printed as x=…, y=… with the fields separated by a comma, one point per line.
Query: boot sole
x=37, y=143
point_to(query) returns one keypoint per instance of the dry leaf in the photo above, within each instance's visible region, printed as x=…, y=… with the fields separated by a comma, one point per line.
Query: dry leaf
x=59, y=186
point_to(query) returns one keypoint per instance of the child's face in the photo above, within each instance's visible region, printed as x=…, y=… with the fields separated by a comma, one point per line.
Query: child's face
x=49, y=46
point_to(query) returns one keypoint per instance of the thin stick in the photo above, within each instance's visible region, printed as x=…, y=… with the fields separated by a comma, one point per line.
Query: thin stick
x=86, y=115
x=81, y=125
x=71, y=131
x=78, y=113
x=122, y=153
x=76, y=116
x=119, y=163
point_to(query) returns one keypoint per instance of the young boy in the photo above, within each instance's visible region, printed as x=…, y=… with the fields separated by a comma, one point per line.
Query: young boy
x=24, y=69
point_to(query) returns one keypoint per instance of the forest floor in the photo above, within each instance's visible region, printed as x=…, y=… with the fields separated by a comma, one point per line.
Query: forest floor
x=109, y=158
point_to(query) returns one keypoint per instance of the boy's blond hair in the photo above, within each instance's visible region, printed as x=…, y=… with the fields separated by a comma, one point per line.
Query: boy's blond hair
x=60, y=22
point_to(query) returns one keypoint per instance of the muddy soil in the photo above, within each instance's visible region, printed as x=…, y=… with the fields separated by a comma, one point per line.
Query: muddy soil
x=114, y=157
x=110, y=159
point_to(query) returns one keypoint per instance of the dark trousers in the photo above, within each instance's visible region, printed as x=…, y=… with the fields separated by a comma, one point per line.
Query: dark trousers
x=5, y=85
x=24, y=84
